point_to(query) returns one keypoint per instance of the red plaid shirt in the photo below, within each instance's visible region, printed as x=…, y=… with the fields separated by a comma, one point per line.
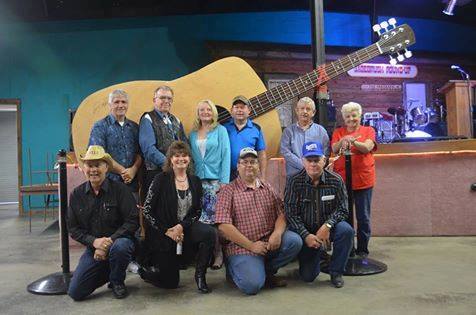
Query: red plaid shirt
x=252, y=211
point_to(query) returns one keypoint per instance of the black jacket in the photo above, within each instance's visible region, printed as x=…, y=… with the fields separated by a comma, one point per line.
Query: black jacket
x=160, y=210
x=113, y=213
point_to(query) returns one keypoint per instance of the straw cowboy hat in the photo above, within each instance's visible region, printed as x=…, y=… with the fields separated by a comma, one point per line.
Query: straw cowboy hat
x=96, y=152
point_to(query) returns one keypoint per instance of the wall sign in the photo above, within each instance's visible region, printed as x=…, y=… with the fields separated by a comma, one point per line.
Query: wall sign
x=381, y=87
x=383, y=70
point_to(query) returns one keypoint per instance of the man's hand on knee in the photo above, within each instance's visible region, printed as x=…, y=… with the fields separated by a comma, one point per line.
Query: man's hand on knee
x=103, y=243
x=100, y=255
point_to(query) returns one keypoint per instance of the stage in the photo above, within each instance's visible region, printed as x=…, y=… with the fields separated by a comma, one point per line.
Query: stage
x=422, y=189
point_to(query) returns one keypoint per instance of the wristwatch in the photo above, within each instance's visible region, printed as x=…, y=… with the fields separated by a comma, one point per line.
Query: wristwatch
x=328, y=225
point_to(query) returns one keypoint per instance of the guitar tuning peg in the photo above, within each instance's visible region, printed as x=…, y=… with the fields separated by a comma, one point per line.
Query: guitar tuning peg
x=408, y=53
x=393, y=61
x=376, y=28
x=384, y=25
x=400, y=57
x=393, y=22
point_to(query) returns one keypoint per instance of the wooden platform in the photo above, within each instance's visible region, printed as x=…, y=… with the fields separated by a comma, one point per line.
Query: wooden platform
x=422, y=188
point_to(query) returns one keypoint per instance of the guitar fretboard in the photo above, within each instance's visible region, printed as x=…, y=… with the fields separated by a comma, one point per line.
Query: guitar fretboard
x=278, y=95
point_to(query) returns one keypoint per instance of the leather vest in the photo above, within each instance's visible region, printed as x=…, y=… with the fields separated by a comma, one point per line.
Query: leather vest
x=165, y=134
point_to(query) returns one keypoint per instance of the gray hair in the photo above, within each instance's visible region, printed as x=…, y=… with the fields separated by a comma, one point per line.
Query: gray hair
x=351, y=107
x=117, y=93
x=309, y=101
x=164, y=88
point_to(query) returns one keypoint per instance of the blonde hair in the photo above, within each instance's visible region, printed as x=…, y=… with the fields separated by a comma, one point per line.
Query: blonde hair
x=351, y=107
x=309, y=101
x=197, y=122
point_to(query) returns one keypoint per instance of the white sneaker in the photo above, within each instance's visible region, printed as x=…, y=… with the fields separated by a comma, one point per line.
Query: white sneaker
x=133, y=267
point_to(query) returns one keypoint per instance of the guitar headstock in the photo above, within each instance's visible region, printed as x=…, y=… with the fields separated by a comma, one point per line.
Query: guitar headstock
x=394, y=40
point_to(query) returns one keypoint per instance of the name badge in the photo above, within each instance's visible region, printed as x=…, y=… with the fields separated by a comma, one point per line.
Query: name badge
x=327, y=198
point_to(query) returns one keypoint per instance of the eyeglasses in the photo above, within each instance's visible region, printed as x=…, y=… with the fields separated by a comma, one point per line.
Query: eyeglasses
x=163, y=98
x=248, y=162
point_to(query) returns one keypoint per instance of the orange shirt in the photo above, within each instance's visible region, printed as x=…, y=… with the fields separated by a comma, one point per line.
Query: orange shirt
x=363, y=165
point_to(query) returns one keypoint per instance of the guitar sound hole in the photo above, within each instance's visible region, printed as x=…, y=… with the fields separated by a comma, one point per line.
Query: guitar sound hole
x=223, y=114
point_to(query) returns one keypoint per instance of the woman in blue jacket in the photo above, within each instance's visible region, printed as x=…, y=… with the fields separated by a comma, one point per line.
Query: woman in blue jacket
x=211, y=154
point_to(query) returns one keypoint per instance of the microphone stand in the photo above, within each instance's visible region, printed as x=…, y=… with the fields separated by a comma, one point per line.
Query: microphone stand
x=466, y=77
x=470, y=100
x=356, y=265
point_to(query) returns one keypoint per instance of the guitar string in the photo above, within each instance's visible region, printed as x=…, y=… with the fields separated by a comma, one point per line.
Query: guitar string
x=314, y=76
x=263, y=97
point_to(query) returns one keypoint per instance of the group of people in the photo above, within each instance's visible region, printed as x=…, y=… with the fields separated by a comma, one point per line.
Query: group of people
x=205, y=196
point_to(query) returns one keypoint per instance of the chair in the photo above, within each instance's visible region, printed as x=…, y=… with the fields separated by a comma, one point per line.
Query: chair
x=47, y=189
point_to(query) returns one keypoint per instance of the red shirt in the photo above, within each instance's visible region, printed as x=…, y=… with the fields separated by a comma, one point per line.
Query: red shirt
x=252, y=211
x=363, y=164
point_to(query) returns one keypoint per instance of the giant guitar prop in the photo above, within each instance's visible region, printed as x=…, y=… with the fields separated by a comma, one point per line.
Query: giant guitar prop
x=222, y=80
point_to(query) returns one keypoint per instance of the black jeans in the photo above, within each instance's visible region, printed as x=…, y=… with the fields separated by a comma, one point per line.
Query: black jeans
x=198, y=236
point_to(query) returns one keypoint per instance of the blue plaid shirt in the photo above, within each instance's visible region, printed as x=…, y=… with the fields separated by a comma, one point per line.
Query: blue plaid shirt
x=121, y=142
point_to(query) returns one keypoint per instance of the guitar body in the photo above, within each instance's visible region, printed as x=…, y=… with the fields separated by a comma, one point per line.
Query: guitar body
x=224, y=79
x=220, y=82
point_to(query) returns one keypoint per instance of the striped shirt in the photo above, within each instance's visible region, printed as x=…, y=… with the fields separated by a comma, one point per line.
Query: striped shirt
x=252, y=211
x=308, y=207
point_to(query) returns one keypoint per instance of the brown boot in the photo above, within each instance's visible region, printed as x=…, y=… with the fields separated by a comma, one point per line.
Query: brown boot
x=275, y=282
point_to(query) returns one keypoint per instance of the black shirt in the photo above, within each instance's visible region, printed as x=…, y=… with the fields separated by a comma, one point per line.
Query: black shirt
x=308, y=208
x=112, y=213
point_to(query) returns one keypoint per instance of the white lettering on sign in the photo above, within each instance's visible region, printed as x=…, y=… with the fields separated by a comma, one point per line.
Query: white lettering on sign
x=381, y=87
x=382, y=70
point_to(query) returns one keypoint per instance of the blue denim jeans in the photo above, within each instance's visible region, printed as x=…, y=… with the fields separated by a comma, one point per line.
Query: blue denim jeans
x=363, y=200
x=309, y=258
x=91, y=274
x=249, y=272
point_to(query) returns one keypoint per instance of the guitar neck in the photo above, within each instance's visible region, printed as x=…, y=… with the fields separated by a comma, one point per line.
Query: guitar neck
x=278, y=95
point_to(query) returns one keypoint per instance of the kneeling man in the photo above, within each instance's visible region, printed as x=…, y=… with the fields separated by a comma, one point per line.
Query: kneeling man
x=103, y=216
x=315, y=202
x=250, y=215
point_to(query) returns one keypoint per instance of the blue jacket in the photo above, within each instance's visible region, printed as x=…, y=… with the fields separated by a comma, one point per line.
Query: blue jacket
x=216, y=163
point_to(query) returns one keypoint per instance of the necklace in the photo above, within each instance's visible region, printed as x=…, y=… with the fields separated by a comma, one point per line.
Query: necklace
x=181, y=180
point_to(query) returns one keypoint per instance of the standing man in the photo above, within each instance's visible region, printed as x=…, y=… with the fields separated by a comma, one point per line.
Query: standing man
x=102, y=215
x=120, y=137
x=250, y=215
x=157, y=130
x=244, y=133
x=315, y=202
x=304, y=130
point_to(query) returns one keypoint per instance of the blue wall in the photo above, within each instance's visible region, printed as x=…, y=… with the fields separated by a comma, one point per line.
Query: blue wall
x=52, y=66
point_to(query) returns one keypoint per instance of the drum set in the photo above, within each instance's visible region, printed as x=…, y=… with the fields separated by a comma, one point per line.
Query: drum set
x=409, y=122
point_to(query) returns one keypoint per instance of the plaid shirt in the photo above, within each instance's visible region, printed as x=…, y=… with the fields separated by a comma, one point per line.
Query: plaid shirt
x=252, y=211
x=308, y=207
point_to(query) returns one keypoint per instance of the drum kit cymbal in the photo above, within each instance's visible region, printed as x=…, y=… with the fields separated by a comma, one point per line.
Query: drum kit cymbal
x=402, y=122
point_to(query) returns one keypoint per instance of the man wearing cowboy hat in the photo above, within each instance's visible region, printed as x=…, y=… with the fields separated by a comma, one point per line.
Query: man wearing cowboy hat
x=102, y=215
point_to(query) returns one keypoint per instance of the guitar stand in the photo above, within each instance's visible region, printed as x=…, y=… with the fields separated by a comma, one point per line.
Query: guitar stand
x=57, y=283
x=356, y=265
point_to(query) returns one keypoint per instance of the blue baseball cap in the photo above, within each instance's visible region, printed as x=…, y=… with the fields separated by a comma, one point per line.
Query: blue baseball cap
x=312, y=148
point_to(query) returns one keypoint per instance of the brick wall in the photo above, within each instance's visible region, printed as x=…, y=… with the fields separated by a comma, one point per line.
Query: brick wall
x=433, y=70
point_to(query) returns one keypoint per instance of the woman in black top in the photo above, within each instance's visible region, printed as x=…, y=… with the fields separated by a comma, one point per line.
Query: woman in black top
x=171, y=212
